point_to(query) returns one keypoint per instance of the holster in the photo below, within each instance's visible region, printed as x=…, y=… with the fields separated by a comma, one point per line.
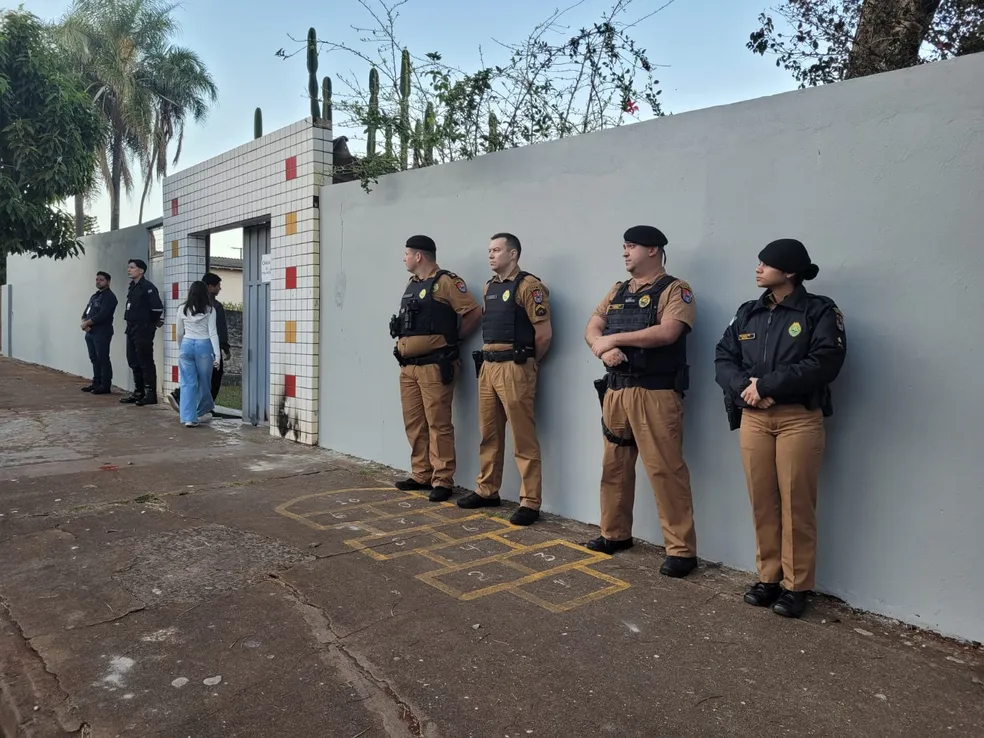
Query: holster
x=733, y=411
x=681, y=382
x=479, y=358
x=601, y=387
x=394, y=327
x=447, y=370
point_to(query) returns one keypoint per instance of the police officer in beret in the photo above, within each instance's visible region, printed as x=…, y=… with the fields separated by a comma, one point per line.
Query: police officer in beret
x=639, y=332
x=427, y=350
x=775, y=363
x=516, y=334
x=144, y=315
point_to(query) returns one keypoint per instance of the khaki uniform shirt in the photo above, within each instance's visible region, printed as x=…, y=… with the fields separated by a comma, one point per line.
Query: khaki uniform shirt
x=532, y=294
x=450, y=290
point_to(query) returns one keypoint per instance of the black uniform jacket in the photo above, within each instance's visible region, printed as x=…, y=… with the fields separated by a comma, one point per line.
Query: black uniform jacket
x=795, y=350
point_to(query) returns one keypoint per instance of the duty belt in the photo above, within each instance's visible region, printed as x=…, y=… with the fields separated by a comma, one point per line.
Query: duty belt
x=434, y=357
x=518, y=354
x=650, y=381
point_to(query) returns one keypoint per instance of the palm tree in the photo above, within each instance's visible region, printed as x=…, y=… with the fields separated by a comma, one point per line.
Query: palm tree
x=145, y=87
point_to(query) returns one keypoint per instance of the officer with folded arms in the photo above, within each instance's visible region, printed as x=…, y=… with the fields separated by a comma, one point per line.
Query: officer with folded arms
x=775, y=363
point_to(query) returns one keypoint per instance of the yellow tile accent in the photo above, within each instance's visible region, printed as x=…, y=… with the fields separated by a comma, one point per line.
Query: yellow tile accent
x=291, y=223
x=174, y=332
x=174, y=249
x=290, y=331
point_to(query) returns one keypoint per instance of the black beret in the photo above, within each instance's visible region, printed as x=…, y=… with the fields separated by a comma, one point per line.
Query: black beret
x=790, y=256
x=139, y=263
x=422, y=243
x=645, y=236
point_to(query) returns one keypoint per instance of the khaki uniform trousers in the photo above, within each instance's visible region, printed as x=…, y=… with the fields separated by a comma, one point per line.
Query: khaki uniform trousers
x=427, y=419
x=781, y=450
x=654, y=419
x=507, y=392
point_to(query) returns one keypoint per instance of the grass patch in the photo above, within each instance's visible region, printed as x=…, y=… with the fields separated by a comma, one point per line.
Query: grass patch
x=231, y=397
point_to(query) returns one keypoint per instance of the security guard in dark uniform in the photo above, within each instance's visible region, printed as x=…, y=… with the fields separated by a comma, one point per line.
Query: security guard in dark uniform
x=639, y=331
x=144, y=315
x=427, y=350
x=97, y=323
x=775, y=363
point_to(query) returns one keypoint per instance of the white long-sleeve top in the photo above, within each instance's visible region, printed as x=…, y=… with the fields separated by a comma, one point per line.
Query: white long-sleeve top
x=199, y=327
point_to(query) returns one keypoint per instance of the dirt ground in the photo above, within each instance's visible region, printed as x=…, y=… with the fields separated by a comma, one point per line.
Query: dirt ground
x=163, y=581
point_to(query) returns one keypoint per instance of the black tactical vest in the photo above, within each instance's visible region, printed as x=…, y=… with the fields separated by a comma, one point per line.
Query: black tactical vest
x=504, y=319
x=635, y=312
x=422, y=315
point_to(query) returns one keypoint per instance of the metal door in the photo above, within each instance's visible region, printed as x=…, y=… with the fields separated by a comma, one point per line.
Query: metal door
x=256, y=325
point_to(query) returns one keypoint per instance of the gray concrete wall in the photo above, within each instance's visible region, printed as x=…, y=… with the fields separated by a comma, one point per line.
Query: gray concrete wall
x=49, y=297
x=883, y=178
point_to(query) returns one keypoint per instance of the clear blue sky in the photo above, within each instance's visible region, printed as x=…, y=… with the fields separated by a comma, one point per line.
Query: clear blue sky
x=700, y=42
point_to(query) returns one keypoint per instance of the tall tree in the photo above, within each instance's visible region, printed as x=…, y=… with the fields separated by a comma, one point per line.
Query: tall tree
x=832, y=40
x=144, y=87
x=50, y=139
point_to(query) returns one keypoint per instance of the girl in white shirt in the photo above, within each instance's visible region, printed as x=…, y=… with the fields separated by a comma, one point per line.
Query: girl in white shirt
x=199, y=354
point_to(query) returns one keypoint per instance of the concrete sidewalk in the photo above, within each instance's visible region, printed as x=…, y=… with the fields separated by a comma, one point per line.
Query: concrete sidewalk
x=163, y=581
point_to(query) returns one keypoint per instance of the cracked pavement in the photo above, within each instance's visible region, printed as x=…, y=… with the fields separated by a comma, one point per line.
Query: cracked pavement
x=157, y=581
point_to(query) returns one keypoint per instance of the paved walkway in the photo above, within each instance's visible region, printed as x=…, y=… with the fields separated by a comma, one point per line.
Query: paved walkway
x=217, y=582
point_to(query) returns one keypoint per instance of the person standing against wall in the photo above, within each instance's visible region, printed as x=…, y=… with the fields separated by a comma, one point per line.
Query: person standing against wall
x=97, y=323
x=214, y=284
x=198, y=356
x=144, y=315
x=427, y=350
x=516, y=332
x=775, y=363
x=639, y=331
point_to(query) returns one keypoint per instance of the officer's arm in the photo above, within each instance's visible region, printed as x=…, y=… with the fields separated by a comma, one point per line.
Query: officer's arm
x=828, y=346
x=536, y=302
x=222, y=326
x=728, y=371
x=598, y=320
x=156, y=306
x=455, y=293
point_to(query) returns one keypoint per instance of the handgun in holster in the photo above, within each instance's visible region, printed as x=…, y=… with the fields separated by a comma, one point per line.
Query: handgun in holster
x=733, y=411
x=479, y=359
x=601, y=387
x=447, y=370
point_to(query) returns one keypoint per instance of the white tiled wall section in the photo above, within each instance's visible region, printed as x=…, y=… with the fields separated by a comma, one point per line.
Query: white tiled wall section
x=246, y=183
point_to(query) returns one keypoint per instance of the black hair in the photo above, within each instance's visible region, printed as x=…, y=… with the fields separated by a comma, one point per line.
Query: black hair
x=198, y=300
x=104, y=275
x=212, y=280
x=511, y=242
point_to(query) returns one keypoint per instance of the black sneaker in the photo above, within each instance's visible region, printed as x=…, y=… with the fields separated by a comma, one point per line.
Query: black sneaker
x=101, y=391
x=148, y=399
x=473, y=500
x=678, y=566
x=605, y=546
x=790, y=604
x=411, y=485
x=173, y=402
x=440, y=494
x=762, y=594
x=131, y=398
x=524, y=516
x=88, y=388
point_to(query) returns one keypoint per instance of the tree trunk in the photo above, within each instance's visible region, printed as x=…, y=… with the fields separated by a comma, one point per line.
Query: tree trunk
x=116, y=183
x=147, y=180
x=79, y=216
x=889, y=35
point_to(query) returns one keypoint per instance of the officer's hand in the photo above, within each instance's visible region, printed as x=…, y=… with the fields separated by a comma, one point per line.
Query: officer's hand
x=750, y=394
x=228, y=354
x=160, y=323
x=613, y=357
x=765, y=403
x=603, y=345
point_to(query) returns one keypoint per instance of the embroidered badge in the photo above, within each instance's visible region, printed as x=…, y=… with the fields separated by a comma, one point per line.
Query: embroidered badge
x=422, y=294
x=538, y=296
x=688, y=296
x=795, y=329
x=540, y=310
x=840, y=319
x=746, y=336
x=505, y=295
x=460, y=284
x=644, y=301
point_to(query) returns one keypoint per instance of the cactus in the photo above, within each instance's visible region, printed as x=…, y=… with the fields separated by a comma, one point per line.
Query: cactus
x=404, y=107
x=389, y=141
x=373, y=113
x=493, y=142
x=428, y=142
x=257, y=123
x=312, y=67
x=326, y=99
x=418, y=135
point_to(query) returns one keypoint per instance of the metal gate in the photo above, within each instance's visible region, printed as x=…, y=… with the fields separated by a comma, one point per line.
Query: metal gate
x=256, y=324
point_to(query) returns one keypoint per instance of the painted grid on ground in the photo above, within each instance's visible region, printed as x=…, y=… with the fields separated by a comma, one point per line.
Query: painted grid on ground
x=474, y=552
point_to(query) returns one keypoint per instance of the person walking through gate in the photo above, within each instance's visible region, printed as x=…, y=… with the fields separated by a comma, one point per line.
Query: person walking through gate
x=198, y=337
x=97, y=323
x=775, y=363
x=639, y=330
x=516, y=332
x=214, y=284
x=427, y=350
x=144, y=315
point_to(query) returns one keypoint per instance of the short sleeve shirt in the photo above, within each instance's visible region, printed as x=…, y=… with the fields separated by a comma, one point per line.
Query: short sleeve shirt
x=532, y=294
x=677, y=301
x=451, y=290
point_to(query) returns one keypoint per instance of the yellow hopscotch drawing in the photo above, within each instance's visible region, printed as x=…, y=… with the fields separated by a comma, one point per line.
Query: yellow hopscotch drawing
x=468, y=548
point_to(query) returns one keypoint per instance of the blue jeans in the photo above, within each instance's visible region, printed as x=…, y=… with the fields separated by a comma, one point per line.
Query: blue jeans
x=195, y=369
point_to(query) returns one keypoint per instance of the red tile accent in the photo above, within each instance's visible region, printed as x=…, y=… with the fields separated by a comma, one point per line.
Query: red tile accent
x=174, y=374
x=290, y=385
x=290, y=278
x=291, y=167
x=174, y=206
x=174, y=290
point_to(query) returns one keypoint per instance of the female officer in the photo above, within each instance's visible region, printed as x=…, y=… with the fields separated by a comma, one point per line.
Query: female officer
x=774, y=363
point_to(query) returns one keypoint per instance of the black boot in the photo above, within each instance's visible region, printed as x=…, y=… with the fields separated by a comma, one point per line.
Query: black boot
x=474, y=500
x=763, y=594
x=440, y=494
x=606, y=546
x=149, y=398
x=678, y=566
x=790, y=604
x=411, y=485
x=131, y=398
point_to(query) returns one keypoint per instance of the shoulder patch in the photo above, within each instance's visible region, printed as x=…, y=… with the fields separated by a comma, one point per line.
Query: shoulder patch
x=540, y=311
x=460, y=284
x=686, y=294
x=538, y=296
x=840, y=319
